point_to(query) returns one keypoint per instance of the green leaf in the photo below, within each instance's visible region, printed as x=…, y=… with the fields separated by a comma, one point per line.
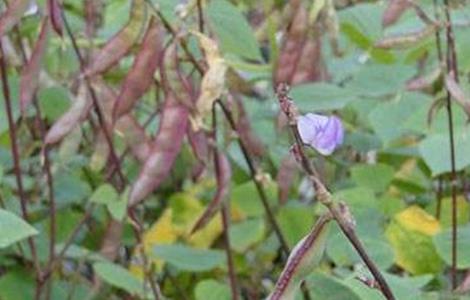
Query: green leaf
x=326, y=287
x=232, y=29
x=79, y=253
x=246, y=233
x=391, y=119
x=436, y=151
x=119, y=277
x=13, y=83
x=245, y=197
x=376, y=177
x=189, y=259
x=295, y=221
x=377, y=80
x=107, y=195
x=104, y=194
x=70, y=188
x=339, y=249
x=13, y=229
x=443, y=243
x=54, y=102
x=212, y=290
x=17, y=285
x=321, y=96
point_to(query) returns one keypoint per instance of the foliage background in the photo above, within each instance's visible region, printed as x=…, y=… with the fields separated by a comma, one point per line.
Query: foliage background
x=393, y=170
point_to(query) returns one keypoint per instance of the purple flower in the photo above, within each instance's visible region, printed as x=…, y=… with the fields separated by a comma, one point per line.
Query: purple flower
x=321, y=132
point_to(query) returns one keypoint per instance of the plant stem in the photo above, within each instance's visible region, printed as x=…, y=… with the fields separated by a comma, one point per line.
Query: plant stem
x=17, y=167
x=451, y=62
x=50, y=189
x=261, y=192
x=200, y=16
x=324, y=196
x=224, y=210
x=96, y=106
x=148, y=271
x=231, y=268
x=258, y=184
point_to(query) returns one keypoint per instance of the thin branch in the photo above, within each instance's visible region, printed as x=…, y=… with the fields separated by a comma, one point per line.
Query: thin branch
x=99, y=113
x=200, y=16
x=224, y=211
x=148, y=271
x=231, y=267
x=261, y=192
x=17, y=168
x=452, y=68
x=257, y=181
x=339, y=212
x=50, y=189
x=181, y=41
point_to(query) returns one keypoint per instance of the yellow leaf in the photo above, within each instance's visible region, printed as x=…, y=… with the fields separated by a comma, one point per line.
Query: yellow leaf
x=410, y=234
x=417, y=219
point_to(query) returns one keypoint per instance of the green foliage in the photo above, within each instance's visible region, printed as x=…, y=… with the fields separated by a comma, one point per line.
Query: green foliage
x=211, y=290
x=393, y=170
x=13, y=229
x=118, y=277
x=189, y=259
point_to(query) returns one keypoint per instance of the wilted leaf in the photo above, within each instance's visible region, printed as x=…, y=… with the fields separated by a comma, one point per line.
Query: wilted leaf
x=13, y=229
x=213, y=81
x=410, y=234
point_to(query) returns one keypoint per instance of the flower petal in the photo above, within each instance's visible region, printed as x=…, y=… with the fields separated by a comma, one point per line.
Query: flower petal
x=321, y=132
x=306, y=128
